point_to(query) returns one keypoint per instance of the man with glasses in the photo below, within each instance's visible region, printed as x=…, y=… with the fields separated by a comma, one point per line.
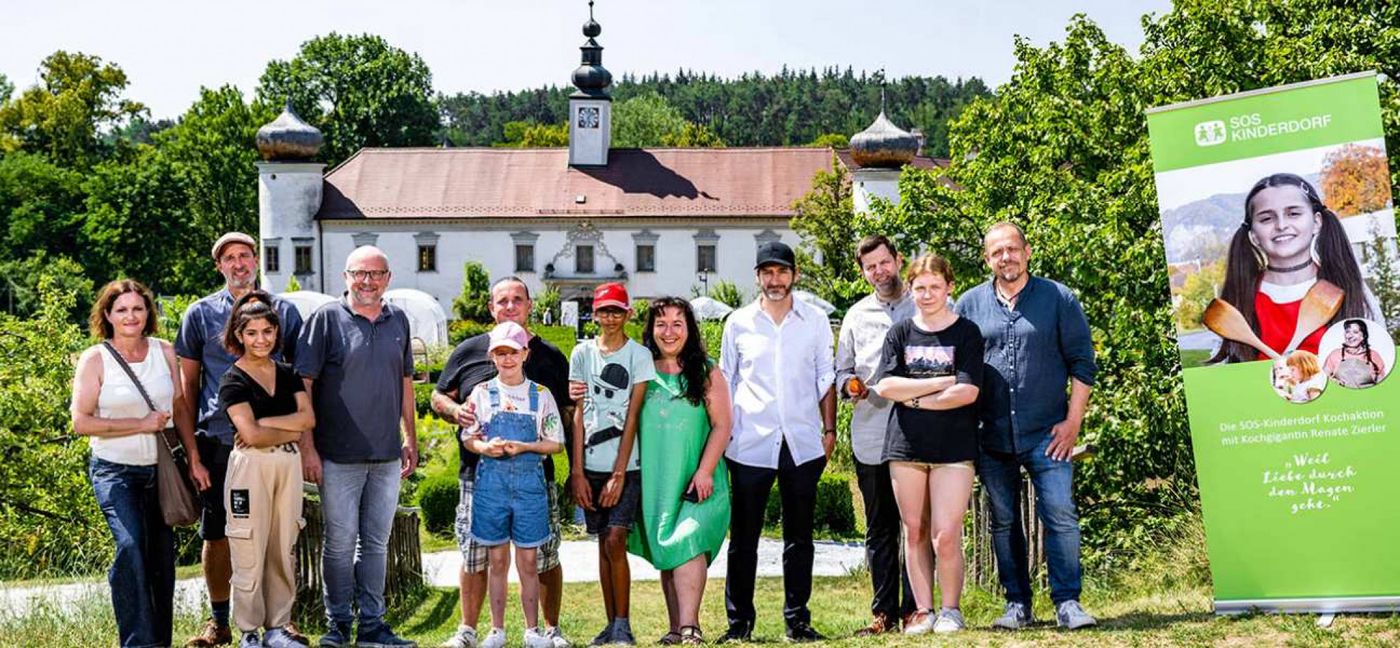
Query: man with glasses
x=203, y=362
x=468, y=366
x=355, y=357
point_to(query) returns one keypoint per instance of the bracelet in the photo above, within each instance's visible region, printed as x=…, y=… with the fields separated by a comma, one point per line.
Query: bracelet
x=829, y=431
x=913, y=402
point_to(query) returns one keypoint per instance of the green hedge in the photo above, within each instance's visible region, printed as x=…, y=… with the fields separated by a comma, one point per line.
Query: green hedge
x=437, y=497
x=835, y=512
x=423, y=398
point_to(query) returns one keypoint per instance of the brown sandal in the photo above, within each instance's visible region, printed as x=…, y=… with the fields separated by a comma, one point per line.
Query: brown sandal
x=692, y=636
x=669, y=639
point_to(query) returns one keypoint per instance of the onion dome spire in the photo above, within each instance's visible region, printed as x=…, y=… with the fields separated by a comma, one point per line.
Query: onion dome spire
x=883, y=144
x=288, y=139
x=591, y=78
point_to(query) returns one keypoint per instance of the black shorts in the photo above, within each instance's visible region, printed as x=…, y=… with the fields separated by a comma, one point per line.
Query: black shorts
x=214, y=455
x=619, y=515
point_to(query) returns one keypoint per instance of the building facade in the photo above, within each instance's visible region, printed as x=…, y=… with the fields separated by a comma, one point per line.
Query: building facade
x=666, y=221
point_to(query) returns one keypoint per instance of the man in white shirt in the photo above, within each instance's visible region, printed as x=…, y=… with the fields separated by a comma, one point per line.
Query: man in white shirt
x=858, y=351
x=776, y=356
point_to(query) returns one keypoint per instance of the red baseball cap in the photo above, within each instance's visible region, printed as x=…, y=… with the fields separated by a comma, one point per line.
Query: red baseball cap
x=611, y=294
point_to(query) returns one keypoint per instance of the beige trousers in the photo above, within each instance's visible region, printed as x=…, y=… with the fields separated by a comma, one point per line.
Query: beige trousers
x=262, y=495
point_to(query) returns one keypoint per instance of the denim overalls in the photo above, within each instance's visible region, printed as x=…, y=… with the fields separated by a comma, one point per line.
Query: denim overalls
x=509, y=501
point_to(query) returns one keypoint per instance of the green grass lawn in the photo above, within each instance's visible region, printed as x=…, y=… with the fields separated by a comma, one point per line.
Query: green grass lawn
x=1178, y=617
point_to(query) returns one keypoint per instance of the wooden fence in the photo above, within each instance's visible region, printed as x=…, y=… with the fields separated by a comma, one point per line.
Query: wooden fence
x=405, y=570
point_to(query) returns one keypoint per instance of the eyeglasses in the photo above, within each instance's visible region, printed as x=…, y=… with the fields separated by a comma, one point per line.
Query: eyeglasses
x=610, y=312
x=360, y=275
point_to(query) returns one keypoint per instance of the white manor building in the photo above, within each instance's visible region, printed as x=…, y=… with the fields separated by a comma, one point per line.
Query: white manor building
x=663, y=221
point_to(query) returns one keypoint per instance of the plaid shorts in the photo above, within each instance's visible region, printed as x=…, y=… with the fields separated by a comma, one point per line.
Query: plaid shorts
x=474, y=558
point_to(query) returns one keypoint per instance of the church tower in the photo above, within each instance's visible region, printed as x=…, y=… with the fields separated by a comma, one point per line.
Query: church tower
x=289, y=195
x=590, y=107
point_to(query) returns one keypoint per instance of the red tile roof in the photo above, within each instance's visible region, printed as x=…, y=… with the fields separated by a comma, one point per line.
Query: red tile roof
x=504, y=182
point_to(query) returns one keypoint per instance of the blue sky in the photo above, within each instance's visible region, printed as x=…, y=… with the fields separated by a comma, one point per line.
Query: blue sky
x=169, y=49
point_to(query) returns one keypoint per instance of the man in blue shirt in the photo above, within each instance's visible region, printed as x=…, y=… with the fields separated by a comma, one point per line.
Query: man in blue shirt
x=203, y=362
x=1037, y=342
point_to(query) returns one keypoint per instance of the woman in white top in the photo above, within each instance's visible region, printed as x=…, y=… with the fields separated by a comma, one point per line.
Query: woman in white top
x=123, y=431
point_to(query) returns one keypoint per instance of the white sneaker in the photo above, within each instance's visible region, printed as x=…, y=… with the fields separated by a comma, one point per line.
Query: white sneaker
x=536, y=639
x=1070, y=615
x=920, y=622
x=465, y=637
x=949, y=621
x=556, y=637
x=495, y=639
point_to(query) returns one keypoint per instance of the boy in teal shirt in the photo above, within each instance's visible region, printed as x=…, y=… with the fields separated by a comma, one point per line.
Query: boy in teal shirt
x=611, y=372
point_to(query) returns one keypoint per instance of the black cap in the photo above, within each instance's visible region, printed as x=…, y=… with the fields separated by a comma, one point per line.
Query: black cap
x=775, y=252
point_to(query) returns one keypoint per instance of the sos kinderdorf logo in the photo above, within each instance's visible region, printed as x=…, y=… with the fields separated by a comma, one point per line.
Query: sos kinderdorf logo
x=1252, y=127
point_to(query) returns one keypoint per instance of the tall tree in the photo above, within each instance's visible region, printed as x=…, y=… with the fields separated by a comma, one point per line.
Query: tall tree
x=212, y=154
x=41, y=206
x=359, y=90
x=136, y=224
x=647, y=120
x=65, y=116
x=822, y=219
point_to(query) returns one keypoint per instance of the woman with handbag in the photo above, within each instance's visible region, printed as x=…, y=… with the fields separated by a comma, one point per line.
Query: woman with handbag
x=125, y=391
x=270, y=409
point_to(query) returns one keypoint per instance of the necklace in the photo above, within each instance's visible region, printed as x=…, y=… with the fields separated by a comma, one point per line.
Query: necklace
x=1010, y=299
x=1300, y=266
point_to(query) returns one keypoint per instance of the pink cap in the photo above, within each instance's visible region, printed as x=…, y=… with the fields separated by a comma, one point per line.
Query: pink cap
x=508, y=334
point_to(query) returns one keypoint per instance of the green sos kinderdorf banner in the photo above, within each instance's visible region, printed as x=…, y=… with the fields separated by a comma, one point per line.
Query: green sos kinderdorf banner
x=1278, y=222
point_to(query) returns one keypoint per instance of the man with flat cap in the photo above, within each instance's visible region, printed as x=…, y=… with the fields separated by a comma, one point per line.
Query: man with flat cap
x=203, y=362
x=777, y=358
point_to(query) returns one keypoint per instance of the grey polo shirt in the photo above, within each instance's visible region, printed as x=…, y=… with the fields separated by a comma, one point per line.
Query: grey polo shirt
x=357, y=369
x=201, y=338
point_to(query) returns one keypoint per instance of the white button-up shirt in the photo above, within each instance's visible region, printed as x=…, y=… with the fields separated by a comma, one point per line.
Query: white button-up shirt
x=777, y=373
x=858, y=352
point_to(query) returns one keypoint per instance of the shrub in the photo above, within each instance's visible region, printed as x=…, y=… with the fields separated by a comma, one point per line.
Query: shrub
x=835, y=514
x=475, y=300
x=423, y=398
x=437, y=497
x=459, y=330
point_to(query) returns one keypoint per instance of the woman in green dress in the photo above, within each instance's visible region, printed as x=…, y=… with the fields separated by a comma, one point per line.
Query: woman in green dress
x=685, y=422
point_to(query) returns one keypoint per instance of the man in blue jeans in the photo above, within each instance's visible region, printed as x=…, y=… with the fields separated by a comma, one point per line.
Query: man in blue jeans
x=355, y=357
x=1037, y=342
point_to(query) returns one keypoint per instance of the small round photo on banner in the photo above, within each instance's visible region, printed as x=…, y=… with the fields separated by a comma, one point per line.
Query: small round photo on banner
x=1357, y=353
x=1298, y=376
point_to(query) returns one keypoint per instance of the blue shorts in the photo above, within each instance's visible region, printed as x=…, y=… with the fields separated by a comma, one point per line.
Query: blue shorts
x=510, y=504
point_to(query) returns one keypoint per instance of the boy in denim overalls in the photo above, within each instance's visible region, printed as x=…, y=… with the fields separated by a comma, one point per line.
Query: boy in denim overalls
x=517, y=424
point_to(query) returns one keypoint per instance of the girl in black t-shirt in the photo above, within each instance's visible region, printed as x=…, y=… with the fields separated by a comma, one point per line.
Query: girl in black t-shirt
x=931, y=368
x=269, y=408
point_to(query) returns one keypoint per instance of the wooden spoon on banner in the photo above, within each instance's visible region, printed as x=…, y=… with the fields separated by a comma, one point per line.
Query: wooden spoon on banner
x=1227, y=322
x=1319, y=306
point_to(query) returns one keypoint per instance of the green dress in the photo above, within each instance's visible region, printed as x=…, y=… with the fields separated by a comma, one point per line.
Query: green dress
x=672, y=439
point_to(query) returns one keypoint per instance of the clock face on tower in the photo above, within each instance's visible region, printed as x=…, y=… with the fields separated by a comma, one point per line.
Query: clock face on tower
x=588, y=117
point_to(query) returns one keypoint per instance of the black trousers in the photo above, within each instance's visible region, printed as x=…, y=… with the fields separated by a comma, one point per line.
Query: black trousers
x=883, y=534
x=797, y=488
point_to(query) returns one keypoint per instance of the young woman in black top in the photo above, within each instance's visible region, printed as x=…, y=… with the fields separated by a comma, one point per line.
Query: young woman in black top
x=269, y=408
x=931, y=368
